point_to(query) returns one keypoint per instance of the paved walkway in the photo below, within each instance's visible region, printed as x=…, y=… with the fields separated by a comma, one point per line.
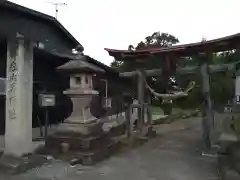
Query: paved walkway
x=174, y=155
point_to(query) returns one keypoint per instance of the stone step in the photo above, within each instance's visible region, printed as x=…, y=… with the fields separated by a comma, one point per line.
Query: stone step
x=76, y=142
x=97, y=155
x=229, y=174
x=17, y=165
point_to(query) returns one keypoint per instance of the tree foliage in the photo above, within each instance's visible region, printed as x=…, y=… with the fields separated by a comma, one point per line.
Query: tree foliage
x=221, y=84
x=155, y=40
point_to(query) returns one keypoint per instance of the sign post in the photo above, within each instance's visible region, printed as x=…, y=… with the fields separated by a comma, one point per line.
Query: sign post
x=46, y=101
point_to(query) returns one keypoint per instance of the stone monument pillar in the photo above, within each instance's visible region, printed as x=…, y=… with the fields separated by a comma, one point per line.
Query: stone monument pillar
x=19, y=87
x=18, y=134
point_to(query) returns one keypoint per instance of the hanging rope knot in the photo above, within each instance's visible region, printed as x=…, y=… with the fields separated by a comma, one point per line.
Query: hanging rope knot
x=171, y=96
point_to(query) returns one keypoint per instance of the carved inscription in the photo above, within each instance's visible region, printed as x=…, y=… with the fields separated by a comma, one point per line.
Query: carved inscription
x=12, y=81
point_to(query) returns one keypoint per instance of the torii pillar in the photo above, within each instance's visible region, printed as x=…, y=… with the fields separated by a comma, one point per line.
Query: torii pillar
x=208, y=118
x=19, y=87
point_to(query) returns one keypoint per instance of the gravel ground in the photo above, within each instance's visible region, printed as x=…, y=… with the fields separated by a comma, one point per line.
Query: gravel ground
x=175, y=154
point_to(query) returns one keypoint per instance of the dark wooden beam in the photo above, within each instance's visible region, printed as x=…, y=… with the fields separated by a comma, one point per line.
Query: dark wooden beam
x=207, y=120
x=185, y=70
x=141, y=88
x=152, y=72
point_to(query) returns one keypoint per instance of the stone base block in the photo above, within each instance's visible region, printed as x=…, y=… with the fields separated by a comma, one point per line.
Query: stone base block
x=148, y=131
x=230, y=174
x=15, y=165
x=234, y=155
x=91, y=129
x=134, y=141
x=84, y=156
x=94, y=156
x=87, y=143
x=118, y=130
x=226, y=170
x=76, y=142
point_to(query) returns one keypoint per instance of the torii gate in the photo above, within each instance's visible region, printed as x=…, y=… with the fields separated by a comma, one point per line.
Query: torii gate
x=203, y=50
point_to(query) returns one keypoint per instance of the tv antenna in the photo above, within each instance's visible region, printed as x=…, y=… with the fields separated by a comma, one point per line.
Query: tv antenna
x=204, y=39
x=57, y=4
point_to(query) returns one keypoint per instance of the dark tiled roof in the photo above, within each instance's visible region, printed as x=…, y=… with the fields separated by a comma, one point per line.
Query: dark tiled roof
x=90, y=60
x=20, y=9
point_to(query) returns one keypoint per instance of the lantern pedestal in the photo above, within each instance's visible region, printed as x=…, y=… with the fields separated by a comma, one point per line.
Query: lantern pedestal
x=81, y=134
x=81, y=121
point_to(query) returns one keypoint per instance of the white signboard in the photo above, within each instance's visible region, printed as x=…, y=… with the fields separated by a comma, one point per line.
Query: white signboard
x=46, y=100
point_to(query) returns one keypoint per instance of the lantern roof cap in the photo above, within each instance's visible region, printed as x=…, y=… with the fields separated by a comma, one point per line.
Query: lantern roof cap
x=79, y=64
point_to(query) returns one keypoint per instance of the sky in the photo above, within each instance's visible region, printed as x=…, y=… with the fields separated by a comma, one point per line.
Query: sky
x=99, y=24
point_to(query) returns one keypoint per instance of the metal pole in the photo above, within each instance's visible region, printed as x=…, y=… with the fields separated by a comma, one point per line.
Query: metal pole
x=106, y=91
x=140, y=99
x=128, y=120
x=46, y=124
x=40, y=126
x=56, y=10
x=149, y=113
x=56, y=7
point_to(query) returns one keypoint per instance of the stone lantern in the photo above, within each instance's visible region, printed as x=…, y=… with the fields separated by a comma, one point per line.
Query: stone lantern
x=81, y=133
x=81, y=93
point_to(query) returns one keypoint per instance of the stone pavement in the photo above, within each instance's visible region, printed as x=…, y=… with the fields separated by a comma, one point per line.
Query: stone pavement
x=175, y=154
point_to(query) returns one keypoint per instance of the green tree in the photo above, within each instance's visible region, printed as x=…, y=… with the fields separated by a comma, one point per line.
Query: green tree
x=155, y=40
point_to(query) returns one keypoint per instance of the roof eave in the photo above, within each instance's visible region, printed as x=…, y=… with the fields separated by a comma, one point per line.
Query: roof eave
x=220, y=44
x=43, y=16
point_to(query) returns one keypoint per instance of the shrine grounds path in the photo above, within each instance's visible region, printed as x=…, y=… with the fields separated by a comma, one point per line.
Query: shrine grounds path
x=175, y=154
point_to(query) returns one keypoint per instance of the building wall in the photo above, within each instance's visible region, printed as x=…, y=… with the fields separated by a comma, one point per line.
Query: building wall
x=3, y=51
x=116, y=91
x=45, y=78
x=33, y=28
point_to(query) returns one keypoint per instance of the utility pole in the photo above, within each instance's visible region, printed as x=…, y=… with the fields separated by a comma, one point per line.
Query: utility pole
x=57, y=4
x=106, y=91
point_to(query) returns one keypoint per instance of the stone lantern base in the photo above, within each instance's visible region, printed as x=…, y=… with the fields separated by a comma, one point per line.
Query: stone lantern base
x=87, y=143
x=81, y=134
x=90, y=129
